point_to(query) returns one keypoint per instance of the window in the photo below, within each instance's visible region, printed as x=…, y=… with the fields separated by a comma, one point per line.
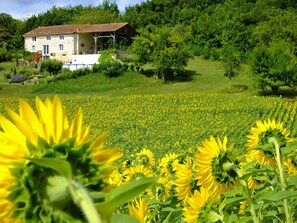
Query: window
x=61, y=37
x=61, y=47
x=33, y=48
x=45, y=50
x=48, y=38
x=33, y=38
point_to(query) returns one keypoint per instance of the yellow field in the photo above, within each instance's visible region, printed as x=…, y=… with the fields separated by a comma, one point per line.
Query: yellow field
x=174, y=122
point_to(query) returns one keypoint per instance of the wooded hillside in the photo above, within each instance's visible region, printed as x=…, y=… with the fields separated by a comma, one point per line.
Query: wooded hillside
x=212, y=24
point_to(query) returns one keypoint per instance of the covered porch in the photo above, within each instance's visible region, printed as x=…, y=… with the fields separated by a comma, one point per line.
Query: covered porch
x=94, y=38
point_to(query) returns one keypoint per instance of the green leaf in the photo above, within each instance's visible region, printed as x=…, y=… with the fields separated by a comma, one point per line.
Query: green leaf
x=123, y=218
x=61, y=166
x=248, y=166
x=42, y=143
x=167, y=220
x=230, y=218
x=265, y=147
x=234, y=192
x=289, y=149
x=263, y=169
x=97, y=195
x=123, y=194
x=245, y=219
x=233, y=200
x=275, y=195
x=292, y=181
x=169, y=209
x=31, y=147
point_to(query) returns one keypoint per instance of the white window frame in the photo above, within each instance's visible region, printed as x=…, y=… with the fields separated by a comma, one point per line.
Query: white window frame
x=34, y=38
x=48, y=37
x=33, y=48
x=61, y=37
x=61, y=47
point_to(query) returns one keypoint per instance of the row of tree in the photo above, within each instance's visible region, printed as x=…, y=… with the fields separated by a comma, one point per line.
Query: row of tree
x=172, y=31
x=261, y=33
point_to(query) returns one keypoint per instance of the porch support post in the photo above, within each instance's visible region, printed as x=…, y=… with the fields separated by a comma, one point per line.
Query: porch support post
x=95, y=36
x=114, y=40
x=77, y=44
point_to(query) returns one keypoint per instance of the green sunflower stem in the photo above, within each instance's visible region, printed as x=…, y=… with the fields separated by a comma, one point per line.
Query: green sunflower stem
x=279, y=161
x=82, y=199
x=249, y=194
x=252, y=206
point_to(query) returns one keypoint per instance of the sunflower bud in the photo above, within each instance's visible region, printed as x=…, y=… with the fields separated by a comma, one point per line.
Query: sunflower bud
x=228, y=166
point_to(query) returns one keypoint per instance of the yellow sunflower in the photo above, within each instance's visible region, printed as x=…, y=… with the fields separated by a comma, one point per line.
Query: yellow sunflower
x=185, y=181
x=217, y=165
x=201, y=207
x=115, y=179
x=161, y=189
x=6, y=206
x=30, y=142
x=139, y=209
x=136, y=172
x=259, y=136
x=291, y=165
x=146, y=158
x=167, y=164
x=242, y=207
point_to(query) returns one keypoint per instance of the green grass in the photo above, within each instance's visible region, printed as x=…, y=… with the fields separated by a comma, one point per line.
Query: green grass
x=98, y=84
x=207, y=76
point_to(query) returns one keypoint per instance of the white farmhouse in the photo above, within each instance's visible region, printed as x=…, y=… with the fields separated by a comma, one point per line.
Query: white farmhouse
x=74, y=44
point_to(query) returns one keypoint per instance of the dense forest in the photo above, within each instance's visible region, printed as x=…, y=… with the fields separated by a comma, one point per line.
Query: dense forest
x=211, y=24
x=243, y=30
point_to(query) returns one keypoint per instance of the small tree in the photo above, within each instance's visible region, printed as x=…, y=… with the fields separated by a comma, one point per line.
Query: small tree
x=230, y=60
x=53, y=66
x=165, y=48
x=275, y=65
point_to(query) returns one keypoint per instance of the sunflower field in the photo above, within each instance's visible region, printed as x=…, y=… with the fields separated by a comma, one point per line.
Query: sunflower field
x=173, y=122
x=188, y=157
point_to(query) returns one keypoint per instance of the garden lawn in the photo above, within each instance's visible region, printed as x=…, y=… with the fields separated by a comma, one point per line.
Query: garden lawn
x=207, y=76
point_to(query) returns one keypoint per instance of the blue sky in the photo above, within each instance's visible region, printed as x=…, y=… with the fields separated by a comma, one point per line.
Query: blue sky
x=21, y=9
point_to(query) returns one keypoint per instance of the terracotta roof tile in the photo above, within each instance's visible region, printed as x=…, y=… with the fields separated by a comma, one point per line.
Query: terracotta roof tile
x=69, y=29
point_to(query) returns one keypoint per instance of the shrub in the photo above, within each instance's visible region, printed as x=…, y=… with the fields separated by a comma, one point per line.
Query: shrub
x=125, y=66
x=81, y=72
x=20, y=78
x=107, y=55
x=109, y=68
x=53, y=66
x=65, y=73
x=68, y=74
x=5, y=55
